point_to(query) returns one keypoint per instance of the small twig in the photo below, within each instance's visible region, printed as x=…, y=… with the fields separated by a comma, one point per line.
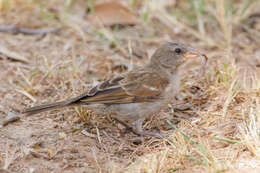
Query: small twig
x=204, y=63
x=86, y=133
x=39, y=155
x=26, y=94
x=12, y=55
x=98, y=136
x=14, y=29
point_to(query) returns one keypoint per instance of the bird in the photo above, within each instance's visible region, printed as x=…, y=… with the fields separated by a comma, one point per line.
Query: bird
x=134, y=96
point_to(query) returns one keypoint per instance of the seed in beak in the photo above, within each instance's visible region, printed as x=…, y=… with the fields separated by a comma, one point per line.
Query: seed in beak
x=191, y=54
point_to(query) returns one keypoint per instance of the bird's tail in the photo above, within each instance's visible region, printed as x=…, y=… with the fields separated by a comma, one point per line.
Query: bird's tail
x=46, y=107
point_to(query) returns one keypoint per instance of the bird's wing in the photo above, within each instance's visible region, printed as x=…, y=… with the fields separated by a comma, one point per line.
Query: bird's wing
x=144, y=83
x=138, y=86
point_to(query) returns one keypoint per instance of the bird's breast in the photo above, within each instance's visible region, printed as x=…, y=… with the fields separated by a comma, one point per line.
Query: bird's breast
x=173, y=88
x=133, y=111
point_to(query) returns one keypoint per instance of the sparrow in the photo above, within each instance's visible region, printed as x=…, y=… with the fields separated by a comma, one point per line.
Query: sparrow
x=132, y=97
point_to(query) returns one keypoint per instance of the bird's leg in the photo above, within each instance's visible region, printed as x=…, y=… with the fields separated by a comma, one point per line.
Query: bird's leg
x=137, y=129
x=127, y=126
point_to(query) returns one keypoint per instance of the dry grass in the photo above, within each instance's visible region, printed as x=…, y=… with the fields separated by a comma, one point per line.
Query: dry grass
x=219, y=133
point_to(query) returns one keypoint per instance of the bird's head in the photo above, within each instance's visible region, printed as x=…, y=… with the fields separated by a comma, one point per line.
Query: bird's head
x=171, y=55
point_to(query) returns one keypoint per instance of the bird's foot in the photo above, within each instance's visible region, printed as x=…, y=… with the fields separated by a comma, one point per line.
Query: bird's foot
x=147, y=133
x=137, y=129
x=144, y=134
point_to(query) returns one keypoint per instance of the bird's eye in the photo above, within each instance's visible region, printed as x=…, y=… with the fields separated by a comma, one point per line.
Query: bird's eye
x=177, y=50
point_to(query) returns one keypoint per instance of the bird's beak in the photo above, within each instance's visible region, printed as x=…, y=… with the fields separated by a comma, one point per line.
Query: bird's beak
x=192, y=54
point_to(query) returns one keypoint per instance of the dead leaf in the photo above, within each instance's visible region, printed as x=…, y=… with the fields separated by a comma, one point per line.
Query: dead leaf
x=111, y=13
x=50, y=152
x=36, y=147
